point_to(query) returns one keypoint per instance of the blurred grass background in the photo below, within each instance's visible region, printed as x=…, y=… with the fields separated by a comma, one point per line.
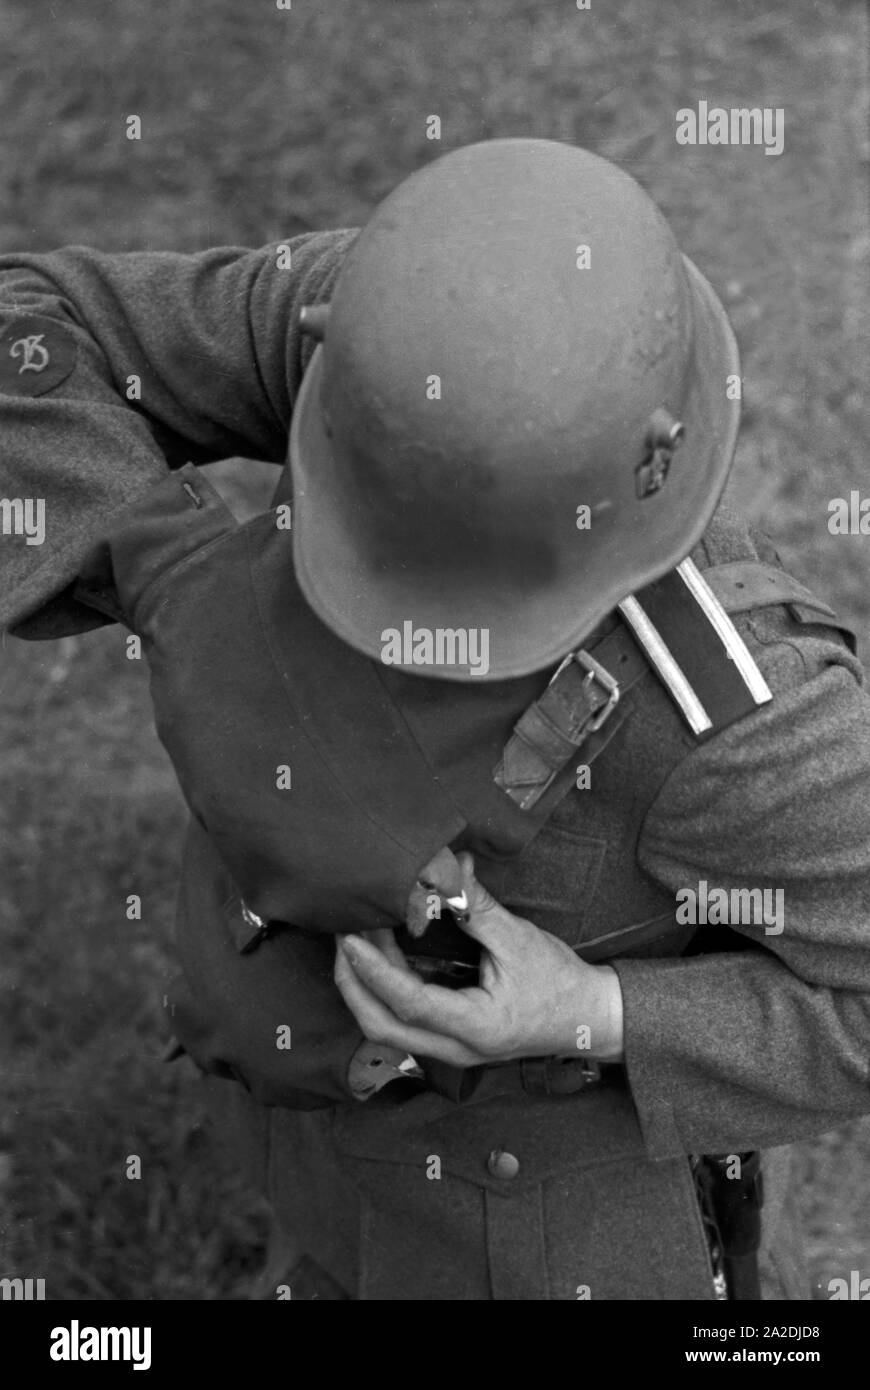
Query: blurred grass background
x=259, y=123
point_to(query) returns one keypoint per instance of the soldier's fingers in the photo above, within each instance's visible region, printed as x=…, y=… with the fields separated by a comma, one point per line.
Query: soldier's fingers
x=385, y=940
x=487, y=921
x=380, y=1025
x=341, y=971
x=429, y=1006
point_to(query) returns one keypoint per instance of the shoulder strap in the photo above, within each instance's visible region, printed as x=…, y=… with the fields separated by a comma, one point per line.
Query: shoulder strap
x=680, y=627
x=742, y=585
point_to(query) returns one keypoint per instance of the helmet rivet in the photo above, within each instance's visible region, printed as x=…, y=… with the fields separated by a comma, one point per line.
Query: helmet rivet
x=664, y=431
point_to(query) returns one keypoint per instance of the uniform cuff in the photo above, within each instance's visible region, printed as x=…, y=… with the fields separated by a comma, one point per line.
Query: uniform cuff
x=645, y=1018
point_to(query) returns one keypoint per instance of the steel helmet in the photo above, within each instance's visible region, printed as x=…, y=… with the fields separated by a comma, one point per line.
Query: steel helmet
x=513, y=338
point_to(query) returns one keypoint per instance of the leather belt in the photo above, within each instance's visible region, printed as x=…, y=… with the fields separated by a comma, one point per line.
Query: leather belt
x=533, y=1076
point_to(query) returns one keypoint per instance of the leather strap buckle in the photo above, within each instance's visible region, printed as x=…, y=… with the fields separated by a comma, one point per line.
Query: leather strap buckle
x=565, y=718
x=596, y=672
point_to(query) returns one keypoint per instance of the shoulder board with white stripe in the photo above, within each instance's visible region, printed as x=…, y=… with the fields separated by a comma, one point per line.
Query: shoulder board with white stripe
x=683, y=626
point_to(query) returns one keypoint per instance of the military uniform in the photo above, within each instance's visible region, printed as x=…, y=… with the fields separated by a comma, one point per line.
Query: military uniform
x=525, y=1188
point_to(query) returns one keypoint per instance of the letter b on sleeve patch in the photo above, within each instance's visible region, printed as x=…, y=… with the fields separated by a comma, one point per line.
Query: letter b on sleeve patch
x=36, y=354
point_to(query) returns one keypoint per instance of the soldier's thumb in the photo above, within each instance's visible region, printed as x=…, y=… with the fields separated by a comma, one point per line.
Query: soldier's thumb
x=487, y=921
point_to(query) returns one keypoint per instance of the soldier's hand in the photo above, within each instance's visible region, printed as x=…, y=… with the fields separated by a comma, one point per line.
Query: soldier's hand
x=536, y=998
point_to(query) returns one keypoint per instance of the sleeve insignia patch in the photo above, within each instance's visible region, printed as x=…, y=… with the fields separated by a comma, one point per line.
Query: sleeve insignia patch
x=36, y=354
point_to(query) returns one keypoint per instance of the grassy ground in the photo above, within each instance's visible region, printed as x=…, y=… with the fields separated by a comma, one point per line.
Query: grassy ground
x=258, y=123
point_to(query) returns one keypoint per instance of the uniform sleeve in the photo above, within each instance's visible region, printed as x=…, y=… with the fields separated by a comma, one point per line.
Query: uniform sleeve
x=732, y=1051
x=115, y=367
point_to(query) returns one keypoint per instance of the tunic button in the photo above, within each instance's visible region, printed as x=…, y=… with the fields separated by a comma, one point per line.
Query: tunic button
x=503, y=1165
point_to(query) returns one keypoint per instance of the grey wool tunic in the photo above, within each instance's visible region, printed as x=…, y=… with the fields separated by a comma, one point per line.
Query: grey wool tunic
x=723, y=1052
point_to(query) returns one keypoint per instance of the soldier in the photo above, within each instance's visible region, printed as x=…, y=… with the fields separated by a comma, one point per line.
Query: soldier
x=496, y=694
